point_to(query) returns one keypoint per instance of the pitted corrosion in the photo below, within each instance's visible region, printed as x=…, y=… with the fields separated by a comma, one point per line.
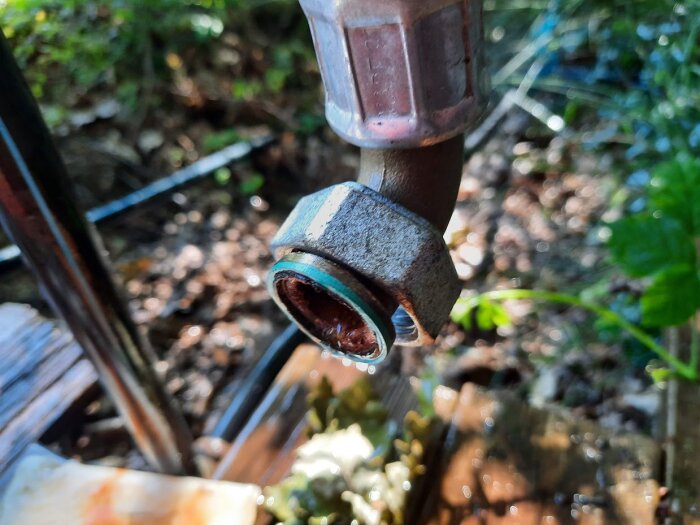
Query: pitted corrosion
x=394, y=248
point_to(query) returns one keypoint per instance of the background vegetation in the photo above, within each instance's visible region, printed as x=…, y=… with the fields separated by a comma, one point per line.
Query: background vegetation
x=610, y=93
x=635, y=64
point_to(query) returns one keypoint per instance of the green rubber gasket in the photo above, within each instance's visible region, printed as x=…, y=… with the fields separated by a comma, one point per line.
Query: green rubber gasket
x=338, y=289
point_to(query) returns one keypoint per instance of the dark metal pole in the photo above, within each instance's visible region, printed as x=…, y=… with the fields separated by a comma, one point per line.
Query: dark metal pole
x=39, y=213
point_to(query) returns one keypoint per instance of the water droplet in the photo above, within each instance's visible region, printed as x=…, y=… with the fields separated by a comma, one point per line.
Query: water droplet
x=542, y=247
x=467, y=491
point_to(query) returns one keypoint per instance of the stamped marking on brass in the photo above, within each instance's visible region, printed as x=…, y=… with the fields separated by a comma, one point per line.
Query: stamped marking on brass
x=378, y=58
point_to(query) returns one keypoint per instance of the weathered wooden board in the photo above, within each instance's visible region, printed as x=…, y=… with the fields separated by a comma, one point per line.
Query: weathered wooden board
x=42, y=374
x=264, y=451
x=47, y=491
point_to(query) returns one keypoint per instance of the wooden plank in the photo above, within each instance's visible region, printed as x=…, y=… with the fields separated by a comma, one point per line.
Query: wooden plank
x=23, y=336
x=12, y=318
x=20, y=356
x=42, y=374
x=264, y=451
x=47, y=491
x=59, y=354
x=33, y=421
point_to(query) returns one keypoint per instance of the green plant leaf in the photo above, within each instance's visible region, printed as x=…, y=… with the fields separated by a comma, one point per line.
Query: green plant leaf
x=222, y=176
x=659, y=375
x=462, y=311
x=429, y=381
x=490, y=315
x=281, y=499
x=672, y=297
x=675, y=191
x=220, y=139
x=252, y=184
x=644, y=245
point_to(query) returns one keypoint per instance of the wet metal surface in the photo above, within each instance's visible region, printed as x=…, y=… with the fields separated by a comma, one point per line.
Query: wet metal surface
x=38, y=212
x=406, y=79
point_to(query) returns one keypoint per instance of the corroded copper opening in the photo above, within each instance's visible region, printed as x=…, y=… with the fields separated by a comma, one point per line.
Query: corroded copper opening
x=333, y=306
x=326, y=316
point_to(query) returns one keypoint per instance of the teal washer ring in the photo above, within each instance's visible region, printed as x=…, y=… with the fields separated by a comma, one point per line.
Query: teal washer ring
x=345, y=294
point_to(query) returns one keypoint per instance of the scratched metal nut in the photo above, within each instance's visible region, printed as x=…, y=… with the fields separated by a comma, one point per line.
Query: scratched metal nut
x=395, y=249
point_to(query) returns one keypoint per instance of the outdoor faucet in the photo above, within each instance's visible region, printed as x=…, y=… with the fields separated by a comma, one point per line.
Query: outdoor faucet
x=363, y=265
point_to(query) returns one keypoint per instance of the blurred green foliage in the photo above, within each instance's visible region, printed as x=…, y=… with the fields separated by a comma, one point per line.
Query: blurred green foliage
x=488, y=314
x=660, y=243
x=655, y=58
x=636, y=65
x=70, y=48
x=80, y=44
x=635, y=62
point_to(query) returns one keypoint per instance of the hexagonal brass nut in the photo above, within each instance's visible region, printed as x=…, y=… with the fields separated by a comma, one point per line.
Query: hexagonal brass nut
x=394, y=248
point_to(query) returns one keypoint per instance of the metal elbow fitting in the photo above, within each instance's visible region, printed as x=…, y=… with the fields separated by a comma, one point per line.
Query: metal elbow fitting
x=350, y=258
x=363, y=264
